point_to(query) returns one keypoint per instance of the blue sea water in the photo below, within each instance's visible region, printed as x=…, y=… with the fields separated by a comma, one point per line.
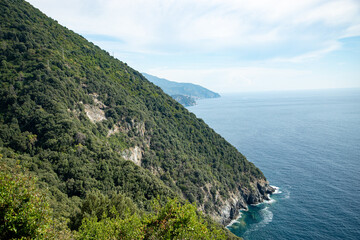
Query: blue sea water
x=307, y=143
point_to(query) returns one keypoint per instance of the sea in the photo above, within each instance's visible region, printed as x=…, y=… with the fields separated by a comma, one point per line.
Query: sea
x=307, y=144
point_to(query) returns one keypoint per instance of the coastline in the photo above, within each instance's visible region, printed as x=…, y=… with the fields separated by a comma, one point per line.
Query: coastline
x=291, y=149
x=268, y=200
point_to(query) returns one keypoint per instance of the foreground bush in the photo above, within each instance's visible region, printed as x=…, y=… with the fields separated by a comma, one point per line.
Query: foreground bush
x=24, y=209
x=172, y=221
x=25, y=214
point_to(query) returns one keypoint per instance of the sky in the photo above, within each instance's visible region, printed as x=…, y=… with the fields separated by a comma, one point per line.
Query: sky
x=225, y=45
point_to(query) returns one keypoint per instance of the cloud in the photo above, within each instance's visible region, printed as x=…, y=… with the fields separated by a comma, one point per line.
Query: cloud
x=238, y=79
x=329, y=47
x=209, y=25
x=226, y=45
x=352, y=31
x=331, y=13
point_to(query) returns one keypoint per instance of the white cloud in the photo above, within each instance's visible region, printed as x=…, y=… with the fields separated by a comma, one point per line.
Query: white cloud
x=207, y=25
x=280, y=35
x=332, y=13
x=352, y=31
x=237, y=79
x=329, y=47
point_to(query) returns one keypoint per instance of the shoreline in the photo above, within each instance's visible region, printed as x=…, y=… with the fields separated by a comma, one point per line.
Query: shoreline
x=270, y=201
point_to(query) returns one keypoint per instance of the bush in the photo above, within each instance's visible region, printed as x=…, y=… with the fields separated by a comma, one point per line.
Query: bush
x=24, y=210
x=174, y=220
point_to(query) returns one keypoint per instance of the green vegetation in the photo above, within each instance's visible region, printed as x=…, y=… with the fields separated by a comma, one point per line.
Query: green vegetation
x=24, y=209
x=25, y=213
x=52, y=80
x=184, y=100
x=172, y=221
x=185, y=89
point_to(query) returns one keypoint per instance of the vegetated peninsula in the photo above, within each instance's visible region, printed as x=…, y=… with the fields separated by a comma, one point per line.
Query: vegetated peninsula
x=184, y=93
x=184, y=100
x=113, y=154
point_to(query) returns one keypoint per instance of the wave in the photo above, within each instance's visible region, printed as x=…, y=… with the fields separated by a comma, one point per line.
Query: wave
x=277, y=190
x=270, y=201
x=256, y=204
x=266, y=216
x=287, y=195
x=232, y=222
x=286, y=192
x=235, y=220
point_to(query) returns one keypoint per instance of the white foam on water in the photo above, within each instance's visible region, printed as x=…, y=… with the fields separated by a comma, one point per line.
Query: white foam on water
x=234, y=220
x=266, y=216
x=270, y=201
x=287, y=195
x=277, y=190
x=256, y=204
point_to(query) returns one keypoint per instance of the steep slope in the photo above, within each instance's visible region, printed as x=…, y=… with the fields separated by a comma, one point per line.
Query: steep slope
x=82, y=120
x=185, y=89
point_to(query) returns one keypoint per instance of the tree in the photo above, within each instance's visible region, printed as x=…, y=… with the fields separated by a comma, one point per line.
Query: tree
x=24, y=210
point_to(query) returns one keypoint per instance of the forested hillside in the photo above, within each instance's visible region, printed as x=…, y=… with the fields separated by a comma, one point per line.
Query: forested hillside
x=184, y=93
x=89, y=127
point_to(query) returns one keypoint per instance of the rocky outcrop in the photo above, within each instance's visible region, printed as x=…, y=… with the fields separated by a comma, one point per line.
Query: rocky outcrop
x=115, y=129
x=133, y=154
x=229, y=209
x=133, y=129
x=226, y=209
x=138, y=128
x=95, y=111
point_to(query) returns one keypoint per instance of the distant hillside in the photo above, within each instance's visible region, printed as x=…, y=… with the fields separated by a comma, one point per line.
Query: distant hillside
x=186, y=89
x=184, y=100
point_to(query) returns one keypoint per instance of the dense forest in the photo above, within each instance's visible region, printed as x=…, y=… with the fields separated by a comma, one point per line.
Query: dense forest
x=103, y=148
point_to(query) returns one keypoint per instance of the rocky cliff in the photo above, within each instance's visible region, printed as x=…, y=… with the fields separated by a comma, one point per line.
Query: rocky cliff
x=230, y=208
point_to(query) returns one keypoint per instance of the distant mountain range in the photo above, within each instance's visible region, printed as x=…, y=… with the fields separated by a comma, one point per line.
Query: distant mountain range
x=184, y=93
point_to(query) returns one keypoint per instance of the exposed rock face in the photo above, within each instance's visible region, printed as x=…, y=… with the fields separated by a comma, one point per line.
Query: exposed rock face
x=137, y=127
x=230, y=208
x=115, y=129
x=133, y=154
x=95, y=112
x=226, y=210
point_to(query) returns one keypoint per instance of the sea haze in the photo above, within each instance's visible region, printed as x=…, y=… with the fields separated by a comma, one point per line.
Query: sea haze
x=307, y=143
